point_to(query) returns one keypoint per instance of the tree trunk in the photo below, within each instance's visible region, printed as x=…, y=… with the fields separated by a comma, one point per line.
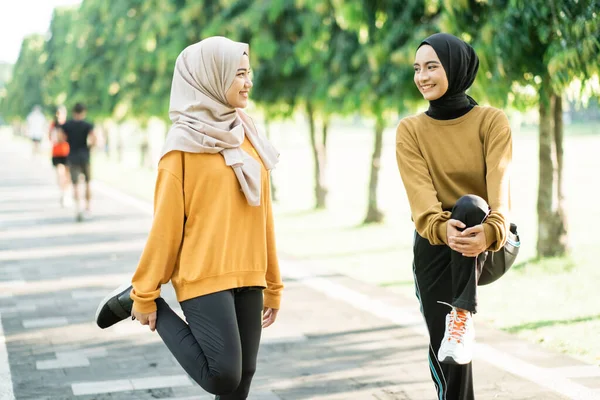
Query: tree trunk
x=560, y=217
x=319, y=158
x=551, y=223
x=322, y=154
x=271, y=182
x=374, y=215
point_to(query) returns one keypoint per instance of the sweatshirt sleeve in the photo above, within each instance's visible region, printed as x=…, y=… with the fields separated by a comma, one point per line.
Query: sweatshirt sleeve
x=159, y=257
x=427, y=213
x=498, y=158
x=272, y=294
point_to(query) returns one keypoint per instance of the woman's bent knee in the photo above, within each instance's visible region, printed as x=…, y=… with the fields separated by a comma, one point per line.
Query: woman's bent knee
x=221, y=383
x=470, y=209
x=471, y=203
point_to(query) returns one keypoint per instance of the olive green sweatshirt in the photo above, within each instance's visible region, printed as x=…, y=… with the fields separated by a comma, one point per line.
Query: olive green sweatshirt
x=443, y=160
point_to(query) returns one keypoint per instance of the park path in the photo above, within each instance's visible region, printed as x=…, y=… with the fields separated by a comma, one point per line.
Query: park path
x=336, y=338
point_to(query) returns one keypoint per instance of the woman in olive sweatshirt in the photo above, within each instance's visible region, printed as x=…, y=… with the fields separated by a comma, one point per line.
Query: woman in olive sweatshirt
x=212, y=234
x=454, y=162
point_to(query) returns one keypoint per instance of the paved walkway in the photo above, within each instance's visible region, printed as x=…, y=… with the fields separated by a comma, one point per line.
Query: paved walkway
x=336, y=338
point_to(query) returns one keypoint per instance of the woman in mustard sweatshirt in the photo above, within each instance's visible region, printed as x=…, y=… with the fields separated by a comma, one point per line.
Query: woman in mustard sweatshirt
x=212, y=234
x=454, y=162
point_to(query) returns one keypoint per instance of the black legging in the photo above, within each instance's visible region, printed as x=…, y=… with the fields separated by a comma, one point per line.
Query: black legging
x=218, y=345
x=442, y=274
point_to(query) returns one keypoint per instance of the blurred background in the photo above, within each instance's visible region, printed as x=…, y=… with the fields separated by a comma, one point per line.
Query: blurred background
x=332, y=78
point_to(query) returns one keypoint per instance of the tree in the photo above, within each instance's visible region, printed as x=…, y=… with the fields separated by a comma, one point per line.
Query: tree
x=545, y=46
x=116, y=58
x=56, y=82
x=289, y=44
x=5, y=73
x=324, y=49
x=24, y=90
x=387, y=33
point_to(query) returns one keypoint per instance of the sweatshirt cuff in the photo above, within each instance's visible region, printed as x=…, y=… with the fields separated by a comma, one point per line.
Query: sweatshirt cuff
x=144, y=308
x=142, y=305
x=442, y=232
x=272, y=300
x=490, y=236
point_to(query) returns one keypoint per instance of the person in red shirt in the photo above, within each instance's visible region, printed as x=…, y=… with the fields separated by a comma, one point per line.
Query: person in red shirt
x=60, y=151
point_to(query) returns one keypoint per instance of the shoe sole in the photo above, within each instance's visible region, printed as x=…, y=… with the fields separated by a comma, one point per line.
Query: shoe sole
x=112, y=294
x=452, y=361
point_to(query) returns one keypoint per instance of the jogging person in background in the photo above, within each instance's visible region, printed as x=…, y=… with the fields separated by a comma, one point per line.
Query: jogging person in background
x=60, y=151
x=213, y=235
x=36, y=126
x=454, y=162
x=80, y=136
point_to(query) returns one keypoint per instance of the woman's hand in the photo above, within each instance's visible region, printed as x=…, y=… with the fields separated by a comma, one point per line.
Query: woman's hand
x=269, y=316
x=145, y=319
x=470, y=243
x=452, y=229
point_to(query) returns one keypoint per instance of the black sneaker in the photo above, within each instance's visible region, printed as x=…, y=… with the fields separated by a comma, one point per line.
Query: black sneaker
x=115, y=307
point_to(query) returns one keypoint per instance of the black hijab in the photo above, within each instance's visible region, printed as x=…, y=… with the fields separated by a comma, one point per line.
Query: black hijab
x=460, y=63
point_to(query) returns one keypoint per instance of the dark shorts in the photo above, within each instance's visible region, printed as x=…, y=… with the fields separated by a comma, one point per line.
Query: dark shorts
x=79, y=163
x=77, y=169
x=59, y=160
x=36, y=140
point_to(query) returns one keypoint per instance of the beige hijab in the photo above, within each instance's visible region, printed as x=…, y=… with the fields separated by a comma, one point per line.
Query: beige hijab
x=204, y=122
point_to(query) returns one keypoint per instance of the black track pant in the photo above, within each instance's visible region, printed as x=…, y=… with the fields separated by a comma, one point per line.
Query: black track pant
x=442, y=274
x=218, y=345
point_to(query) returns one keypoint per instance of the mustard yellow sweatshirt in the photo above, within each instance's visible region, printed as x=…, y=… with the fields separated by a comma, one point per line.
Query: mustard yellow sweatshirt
x=441, y=161
x=224, y=243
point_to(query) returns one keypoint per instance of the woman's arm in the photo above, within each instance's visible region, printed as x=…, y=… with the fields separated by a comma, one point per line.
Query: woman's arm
x=498, y=159
x=429, y=218
x=272, y=294
x=162, y=247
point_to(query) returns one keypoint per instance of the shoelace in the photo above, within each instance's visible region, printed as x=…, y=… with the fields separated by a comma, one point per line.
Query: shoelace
x=457, y=326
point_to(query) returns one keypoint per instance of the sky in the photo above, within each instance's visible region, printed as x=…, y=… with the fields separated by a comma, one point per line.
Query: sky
x=21, y=18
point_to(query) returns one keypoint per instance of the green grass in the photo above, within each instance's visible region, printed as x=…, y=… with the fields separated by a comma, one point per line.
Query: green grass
x=553, y=302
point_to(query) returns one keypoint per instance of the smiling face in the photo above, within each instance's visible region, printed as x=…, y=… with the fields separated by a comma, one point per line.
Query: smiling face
x=238, y=92
x=430, y=76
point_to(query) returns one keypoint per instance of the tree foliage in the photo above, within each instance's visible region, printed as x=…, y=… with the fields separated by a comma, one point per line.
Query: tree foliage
x=543, y=48
x=320, y=57
x=24, y=90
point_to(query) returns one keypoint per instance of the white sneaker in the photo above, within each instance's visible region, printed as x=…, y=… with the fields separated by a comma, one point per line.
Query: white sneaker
x=459, y=338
